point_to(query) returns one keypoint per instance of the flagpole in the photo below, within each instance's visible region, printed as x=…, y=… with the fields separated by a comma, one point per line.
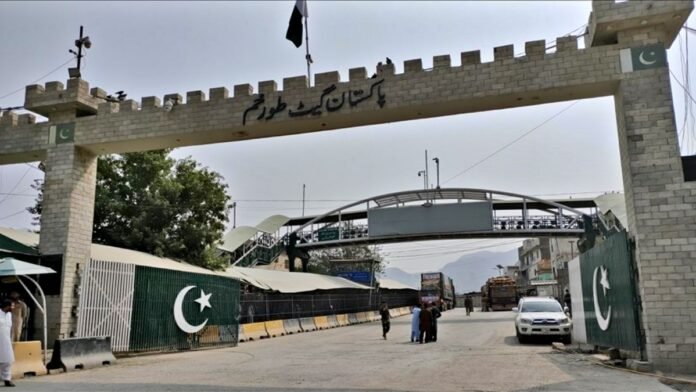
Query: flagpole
x=307, y=56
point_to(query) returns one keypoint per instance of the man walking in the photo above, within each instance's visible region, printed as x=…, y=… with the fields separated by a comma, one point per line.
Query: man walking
x=566, y=301
x=20, y=312
x=415, y=323
x=384, y=312
x=6, y=353
x=468, y=304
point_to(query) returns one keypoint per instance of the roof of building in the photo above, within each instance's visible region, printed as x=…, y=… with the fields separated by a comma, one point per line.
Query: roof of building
x=614, y=203
x=237, y=237
x=114, y=254
x=291, y=282
x=272, y=223
x=394, y=285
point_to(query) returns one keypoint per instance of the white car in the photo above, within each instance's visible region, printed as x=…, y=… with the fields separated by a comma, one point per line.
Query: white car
x=541, y=316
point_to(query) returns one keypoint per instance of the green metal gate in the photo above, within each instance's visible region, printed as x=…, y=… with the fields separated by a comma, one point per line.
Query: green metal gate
x=609, y=294
x=207, y=305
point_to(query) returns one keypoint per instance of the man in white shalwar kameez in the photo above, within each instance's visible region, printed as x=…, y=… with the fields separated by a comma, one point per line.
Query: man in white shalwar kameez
x=6, y=353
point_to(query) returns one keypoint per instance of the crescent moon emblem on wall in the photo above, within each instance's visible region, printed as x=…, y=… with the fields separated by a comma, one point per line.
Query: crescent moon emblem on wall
x=603, y=322
x=179, y=313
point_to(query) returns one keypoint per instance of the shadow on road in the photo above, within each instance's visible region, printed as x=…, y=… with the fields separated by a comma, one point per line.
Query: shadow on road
x=534, y=341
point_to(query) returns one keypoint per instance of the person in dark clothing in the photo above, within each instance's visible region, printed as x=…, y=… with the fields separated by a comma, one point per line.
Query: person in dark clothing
x=426, y=325
x=435, y=315
x=566, y=301
x=468, y=304
x=384, y=312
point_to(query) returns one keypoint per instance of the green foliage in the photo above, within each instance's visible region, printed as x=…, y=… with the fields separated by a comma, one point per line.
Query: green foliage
x=320, y=260
x=149, y=202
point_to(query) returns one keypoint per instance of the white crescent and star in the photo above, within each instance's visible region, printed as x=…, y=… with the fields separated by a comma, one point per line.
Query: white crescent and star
x=643, y=61
x=203, y=301
x=62, y=135
x=604, y=281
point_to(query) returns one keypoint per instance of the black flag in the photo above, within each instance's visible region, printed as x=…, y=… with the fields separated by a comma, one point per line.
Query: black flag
x=294, y=33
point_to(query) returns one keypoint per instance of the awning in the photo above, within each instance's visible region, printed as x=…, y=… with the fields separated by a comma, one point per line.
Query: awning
x=291, y=282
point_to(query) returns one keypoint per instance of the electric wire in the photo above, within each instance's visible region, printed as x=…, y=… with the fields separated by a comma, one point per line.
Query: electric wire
x=15, y=186
x=45, y=76
x=512, y=142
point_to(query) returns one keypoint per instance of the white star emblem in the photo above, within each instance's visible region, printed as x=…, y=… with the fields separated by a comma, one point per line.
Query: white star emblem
x=604, y=281
x=204, y=300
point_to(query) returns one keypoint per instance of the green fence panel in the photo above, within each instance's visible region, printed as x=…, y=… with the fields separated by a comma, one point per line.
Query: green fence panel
x=609, y=294
x=207, y=306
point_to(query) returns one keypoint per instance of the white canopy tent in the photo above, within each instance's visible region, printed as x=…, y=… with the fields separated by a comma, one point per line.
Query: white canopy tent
x=12, y=267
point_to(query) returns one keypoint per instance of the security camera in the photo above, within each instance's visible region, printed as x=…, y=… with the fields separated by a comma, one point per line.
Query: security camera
x=168, y=105
x=87, y=42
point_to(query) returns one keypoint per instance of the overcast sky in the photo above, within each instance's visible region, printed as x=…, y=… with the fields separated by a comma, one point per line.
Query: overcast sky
x=156, y=48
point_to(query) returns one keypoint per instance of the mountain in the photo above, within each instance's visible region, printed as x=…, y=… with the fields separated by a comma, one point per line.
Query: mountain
x=402, y=276
x=469, y=272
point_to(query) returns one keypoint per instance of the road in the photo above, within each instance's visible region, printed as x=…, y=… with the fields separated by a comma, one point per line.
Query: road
x=476, y=353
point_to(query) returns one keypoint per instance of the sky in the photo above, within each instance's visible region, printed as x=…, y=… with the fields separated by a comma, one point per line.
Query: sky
x=156, y=48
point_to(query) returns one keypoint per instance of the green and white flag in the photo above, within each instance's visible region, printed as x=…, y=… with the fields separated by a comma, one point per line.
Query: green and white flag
x=645, y=57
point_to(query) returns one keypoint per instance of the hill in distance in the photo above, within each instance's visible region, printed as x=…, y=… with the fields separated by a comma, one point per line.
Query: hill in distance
x=469, y=272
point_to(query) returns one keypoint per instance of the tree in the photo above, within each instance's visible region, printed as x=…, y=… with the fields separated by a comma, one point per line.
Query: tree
x=149, y=202
x=320, y=260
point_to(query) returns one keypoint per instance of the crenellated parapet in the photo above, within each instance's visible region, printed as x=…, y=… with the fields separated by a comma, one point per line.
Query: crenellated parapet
x=450, y=86
x=609, y=18
x=54, y=97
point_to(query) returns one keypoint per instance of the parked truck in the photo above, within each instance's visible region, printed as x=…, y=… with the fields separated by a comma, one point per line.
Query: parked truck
x=500, y=293
x=437, y=288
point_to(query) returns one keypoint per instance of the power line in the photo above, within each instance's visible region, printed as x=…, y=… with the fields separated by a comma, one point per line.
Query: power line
x=682, y=86
x=15, y=186
x=453, y=252
x=11, y=215
x=51, y=72
x=512, y=142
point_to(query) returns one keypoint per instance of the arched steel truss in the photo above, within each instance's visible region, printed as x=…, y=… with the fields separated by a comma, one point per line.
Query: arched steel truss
x=535, y=218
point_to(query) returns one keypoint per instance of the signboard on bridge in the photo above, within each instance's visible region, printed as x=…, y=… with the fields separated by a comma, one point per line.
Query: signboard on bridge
x=362, y=277
x=328, y=234
x=430, y=219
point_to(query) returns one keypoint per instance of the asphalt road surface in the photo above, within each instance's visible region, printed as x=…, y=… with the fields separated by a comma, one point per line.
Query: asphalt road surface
x=476, y=353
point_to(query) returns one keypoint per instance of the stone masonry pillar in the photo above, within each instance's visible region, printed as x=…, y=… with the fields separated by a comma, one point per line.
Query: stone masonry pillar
x=66, y=227
x=661, y=209
x=68, y=204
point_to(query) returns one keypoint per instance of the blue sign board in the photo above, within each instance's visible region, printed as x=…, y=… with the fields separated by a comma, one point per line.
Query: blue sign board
x=363, y=277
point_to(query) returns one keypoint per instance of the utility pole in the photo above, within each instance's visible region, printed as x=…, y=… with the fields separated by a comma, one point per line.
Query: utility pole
x=234, y=214
x=303, y=198
x=79, y=43
x=425, y=179
x=437, y=168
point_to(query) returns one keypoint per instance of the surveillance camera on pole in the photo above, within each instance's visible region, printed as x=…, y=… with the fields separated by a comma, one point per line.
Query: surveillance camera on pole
x=79, y=43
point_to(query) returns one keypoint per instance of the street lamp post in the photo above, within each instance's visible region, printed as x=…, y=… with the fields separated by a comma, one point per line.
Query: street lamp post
x=425, y=179
x=234, y=214
x=437, y=169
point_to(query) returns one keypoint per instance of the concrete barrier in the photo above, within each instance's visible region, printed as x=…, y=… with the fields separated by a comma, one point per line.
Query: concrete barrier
x=353, y=318
x=321, y=322
x=81, y=353
x=374, y=315
x=292, y=326
x=307, y=324
x=275, y=328
x=342, y=320
x=394, y=312
x=362, y=317
x=254, y=331
x=28, y=359
x=240, y=334
x=333, y=321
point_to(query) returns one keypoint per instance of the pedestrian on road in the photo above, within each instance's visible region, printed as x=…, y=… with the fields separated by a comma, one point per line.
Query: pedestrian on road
x=435, y=315
x=566, y=301
x=20, y=313
x=468, y=304
x=6, y=353
x=426, y=325
x=415, y=324
x=384, y=312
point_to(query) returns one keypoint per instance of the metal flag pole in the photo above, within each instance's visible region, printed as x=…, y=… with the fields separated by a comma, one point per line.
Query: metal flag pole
x=308, y=57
